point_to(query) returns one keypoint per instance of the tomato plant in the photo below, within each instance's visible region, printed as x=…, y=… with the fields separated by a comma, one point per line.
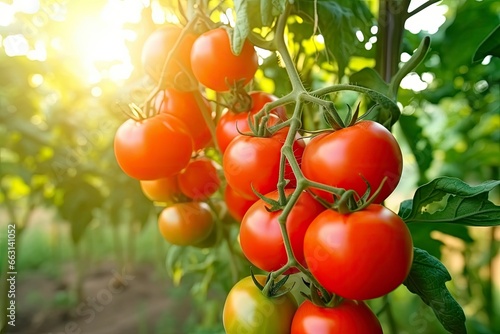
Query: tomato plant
x=260, y=233
x=216, y=66
x=184, y=106
x=350, y=157
x=312, y=208
x=361, y=255
x=156, y=49
x=144, y=148
x=199, y=179
x=254, y=162
x=248, y=310
x=232, y=123
x=186, y=224
x=350, y=316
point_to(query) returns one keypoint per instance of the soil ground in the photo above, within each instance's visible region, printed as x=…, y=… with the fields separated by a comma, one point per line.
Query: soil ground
x=112, y=301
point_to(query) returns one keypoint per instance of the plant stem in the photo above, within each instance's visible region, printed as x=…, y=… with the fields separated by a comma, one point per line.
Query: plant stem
x=392, y=16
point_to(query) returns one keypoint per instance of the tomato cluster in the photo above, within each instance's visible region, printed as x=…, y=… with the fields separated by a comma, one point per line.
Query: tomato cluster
x=193, y=160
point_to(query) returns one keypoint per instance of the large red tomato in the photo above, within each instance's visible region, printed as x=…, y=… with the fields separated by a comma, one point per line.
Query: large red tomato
x=156, y=49
x=344, y=157
x=186, y=224
x=254, y=161
x=260, y=233
x=183, y=105
x=350, y=317
x=361, y=255
x=232, y=123
x=199, y=179
x=214, y=64
x=153, y=148
x=248, y=311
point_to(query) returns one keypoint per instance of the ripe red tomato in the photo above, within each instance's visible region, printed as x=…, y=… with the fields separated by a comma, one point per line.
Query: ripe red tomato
x=199, y=179
x=186, y=224
x=161, y=190
x=254, y=161
x=343, y=157
x=232, y=123
x=183, y=105
x=350, y=317
x=214, y=64
x=248, y=311
x=144, y=148
x=362, y=255
x=237, y=205
x=260, y=233
x=156, y=48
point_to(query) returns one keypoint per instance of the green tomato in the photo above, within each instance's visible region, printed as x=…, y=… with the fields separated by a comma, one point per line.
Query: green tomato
x=248, y=311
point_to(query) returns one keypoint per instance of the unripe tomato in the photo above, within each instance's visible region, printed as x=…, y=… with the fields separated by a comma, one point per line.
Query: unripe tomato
x=248, y=311
x=186, y=224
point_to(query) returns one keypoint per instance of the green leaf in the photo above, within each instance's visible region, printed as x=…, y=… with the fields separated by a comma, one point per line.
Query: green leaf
x=419, y=144
x=79, y=200
x=369, y=78
x=462, y=40
x=427, y=280
x=338, y=21
x=450, y=200
x=490, y=46
x=242, y=27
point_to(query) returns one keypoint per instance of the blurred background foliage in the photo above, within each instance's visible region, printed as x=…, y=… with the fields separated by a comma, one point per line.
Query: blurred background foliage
x=66, y=67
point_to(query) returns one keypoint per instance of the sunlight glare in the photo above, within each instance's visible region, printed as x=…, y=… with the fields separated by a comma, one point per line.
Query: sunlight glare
x=100, y=40
x=428, y=20
x=26, y=6
x=6, y=14
x=412, y=81
x=16, y=45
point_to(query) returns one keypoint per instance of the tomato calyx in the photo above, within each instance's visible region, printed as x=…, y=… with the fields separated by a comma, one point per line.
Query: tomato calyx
x=272, y=288
x=333, y=118
x=320, y=297
x=238, y=99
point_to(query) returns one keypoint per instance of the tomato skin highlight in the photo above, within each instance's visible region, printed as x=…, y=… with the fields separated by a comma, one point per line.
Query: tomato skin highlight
x=183, y=105
x=254, y=162
x=216, y=67
x=260, y=233
x=350, y=317
x=161, y=190
x=199, y=179
x=248, y=311
x=343, y=157
x=186, y=224
x=360, y=255
x=237, y=205
x=231, y=123
x=153, y=148
x=156, y=48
